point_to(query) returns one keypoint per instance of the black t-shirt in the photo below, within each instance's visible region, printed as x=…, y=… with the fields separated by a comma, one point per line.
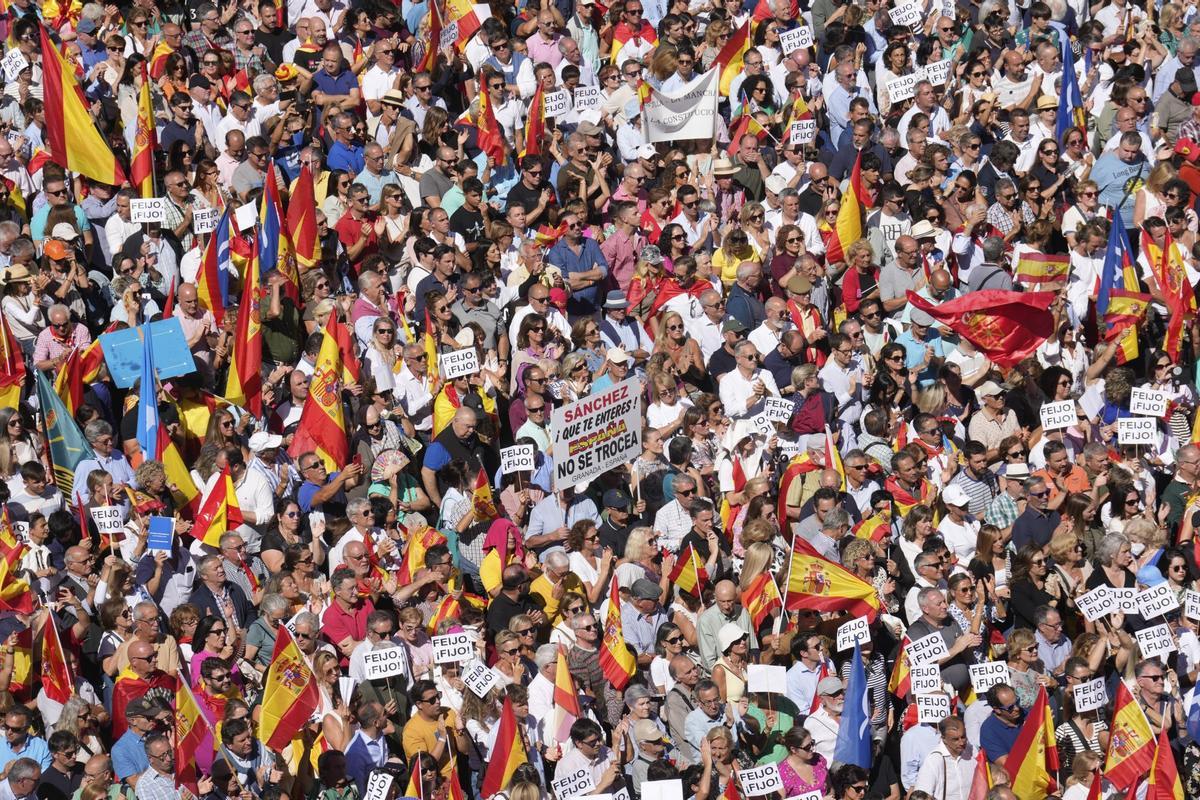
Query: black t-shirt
x=721, y=362
x=468, y=224
x=54, y=785
x=528, y=198
x=273, y=43
x=502, y=609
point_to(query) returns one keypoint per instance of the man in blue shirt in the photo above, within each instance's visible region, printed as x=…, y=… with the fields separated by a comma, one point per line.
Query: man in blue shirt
x=923, y=352
x=999, y=731
x=129, y=753
x=344, y=154
x=1117, y=173
x=583, y=266
x=17, y=741
x=333, y=87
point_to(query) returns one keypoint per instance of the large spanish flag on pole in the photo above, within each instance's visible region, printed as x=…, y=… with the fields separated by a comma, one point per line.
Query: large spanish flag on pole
x=219, y=513
x=290, y=693
x=566, y=699
x=243, y=387
x=816, y=582
x=848, y=228
x=73, y=139
x=12, y=366
x=1035, y=753
x=1164, y=775
x=729, y=59
x=145, y=142
x=616, y=661
x=507, y=754
x=302, y=221
x=323, y=421
x=1130, y=743
x=191, y=730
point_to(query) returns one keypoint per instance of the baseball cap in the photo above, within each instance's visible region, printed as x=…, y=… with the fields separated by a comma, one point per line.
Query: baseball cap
x=264, y=441
x=919, y=317
x=644, y=589
x=617, y=355
x=199, y=82
x=646, y=151
x=646, y=731
x=732, y=325
x=955, y=496
x=144, y=707
x=830, y=685
x=988, y=389
x=64, y=231
x=616, y=498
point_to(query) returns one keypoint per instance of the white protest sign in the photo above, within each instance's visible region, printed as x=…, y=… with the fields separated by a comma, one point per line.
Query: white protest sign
x=937, y=72
x=1137, y=430
x=576, y=783
x=802, y=131
x=14, y=64
x=21, y=529
x=761, y=780
x=384, y=663
x=378, y=785
x=689, y=114
x=449, y=35
x=926, y=679
x=856, y=630
x=927, y=649
x=1090, y=695
x=1056, y=416
x=662, y=790
x=1148, y=402
x=597, y=433
x=245, y=217
x=902, y=87
x=766, y=678
x=1126, y=600
x=108, y=520
x=204, y=220
x=761, y=423
x=796, y=39
x=808, y=796
x=932, y=708
x=452, y=648
x=1155, y=641
x=557, y=103
x=587, y=97
x=147, y=209
x=986, y=675
x=905, y=15
x=518, y=458
x=777, y=409
x=789, y=449
x=457, y=363
x=1191, y=604
x=480, y=679
x=1096, y=603
x=1157, y=600
x=949, y=9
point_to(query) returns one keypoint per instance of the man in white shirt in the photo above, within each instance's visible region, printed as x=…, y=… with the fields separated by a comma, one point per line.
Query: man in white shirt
x=706, y=329
x=743, y=389
x=844, y=378
x=541, y=688
x=949, y=770
x=412, y=386
x=824, y=724
x=767, y=335
x=673, y=521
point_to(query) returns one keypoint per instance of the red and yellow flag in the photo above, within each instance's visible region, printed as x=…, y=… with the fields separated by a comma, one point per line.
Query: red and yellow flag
x=507, y=754
x=730, y=58
x=761, y=598
x=350, y=365
x=535, y=124
x=482, y=500
x=617, y=662
x=1171, y=276
x=220, y=512
x=874, y=527
x=981, y=780
x=461, y=13
x=192, y=728
x=1130, y=743
x=419, y=543
x=1035, y=753
x=1164, y=775
x=74, y=142
x=431, y=352
x=1036, y=268
x=566, y=698
x=796, y=468
x=848, y=228
x=491, y=138
x=243, y=387
x=414, y=788
x=1006, y=326
x=429, y=57
x=833, y=459
x=158, y=60
x=689, y=574
x=302, y=221
x=179, y=479
x=816, y=582
x=57, y=681
x=15, y=594
x=622, y=33
x=290, y=693
x=12, y=366
x=322, y=421
x=145, y=141
x=1126, y=311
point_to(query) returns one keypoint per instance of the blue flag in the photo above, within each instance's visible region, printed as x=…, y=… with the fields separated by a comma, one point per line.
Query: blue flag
x=147, y=421
x=854, y=734
x=1070, y=101
x=67, y=445
x=1118, y=265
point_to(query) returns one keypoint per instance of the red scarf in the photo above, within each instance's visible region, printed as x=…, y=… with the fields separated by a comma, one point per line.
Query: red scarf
x=807, y=319
x=250, y=576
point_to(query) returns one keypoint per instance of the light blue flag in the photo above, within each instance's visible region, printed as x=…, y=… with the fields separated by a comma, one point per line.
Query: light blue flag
x=854, y=734
x=147, y=422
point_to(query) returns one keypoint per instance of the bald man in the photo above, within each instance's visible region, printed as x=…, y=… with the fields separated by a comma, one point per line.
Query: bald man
x=767, y=335
x=457, y=441
x=815, y=194
x=198, y=323
x=727, y=608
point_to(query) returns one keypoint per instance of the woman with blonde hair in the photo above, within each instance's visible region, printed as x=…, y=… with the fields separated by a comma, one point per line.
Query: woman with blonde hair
x=640, y=549
x=1025, y=669
x=666, y=413
x=715, y=36
x=648, y=277
x=752, y=218
x=684, y=351
x=380, y=354
x=759, y=558
x=510, y=662
x=335, y=713
x=1151, y=198
x=734, y=251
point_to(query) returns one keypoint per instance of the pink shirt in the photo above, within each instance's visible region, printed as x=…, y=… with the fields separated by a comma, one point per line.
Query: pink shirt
x=543, y=49
x=47, y=346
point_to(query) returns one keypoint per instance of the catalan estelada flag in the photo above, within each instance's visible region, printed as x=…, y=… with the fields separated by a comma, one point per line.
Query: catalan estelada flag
x=290, y=693
x=302, y=221
x=730, y=58
x=507, y=754
x=192, y=729
x=71, y=134
x=145, y=141
x=1035, y=753
x=1130, y=743
x=57, y=681
x=219, y=513
x=816, y=582
x=243, y=386
x=322, y=420
x=535, y=125
x=617, y=663
x=761, y=598
x=689, y=574
x=848, y=228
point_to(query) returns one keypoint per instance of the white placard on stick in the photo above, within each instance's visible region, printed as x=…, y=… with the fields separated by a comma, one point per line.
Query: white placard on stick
x=1137, y=430
x=925, y=679
x=927, y=649
x=577, y=783
x=1056, y=416
x=758, y=781
x=14, y=64
x=776, y=409
x=245, y=217
x=1148, y=402
x=204, y=220
x=480, y=679
x=802, y=131
x=1157, y=600
x=558, y=103
x=378, y=785
x=905, y=15
x=147, y=209
x=937, y=72
x=1155, y=641
x=449, y=35
x=671, y=789
x=518, y=458
x=587, y=97
x=452, y=648
x=108, y=520
x=932, y=708
x=766, y=678
x=1090, y=695
x=1191, y=605
x=457, y=363
x=796, y=39
x=1096, y=603
x=986, y=675
x=384, y=663
x=1126, y=599
x=902, y=87
x=856, y=630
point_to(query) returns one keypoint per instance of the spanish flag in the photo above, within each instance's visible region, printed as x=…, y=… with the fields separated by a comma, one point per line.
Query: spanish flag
x=833, y=459
x=622, y=33
x=414, y=788
x=158, y=61
x=816, y=582
x=761, y=598
x=507, y=754
x=900, y=682
x=1125, y=313
x=322, y=421
x=290, y=693
x=57, y=681
x=302, y=221
x=535, y=125
x=350, y=366
x=730, y=58
x=419, y=543
x=1130, y=743
x=689, y=574
x=145, y=141
x=15, y=594
x=431, y=351
x=848, y=228
x=491, y=138
x=566, y=699
x=482, y=500
x=1037, y=268
x=1171, y=276
x=1164, y=775
x=729, y=511
x=981, y=780
x=1035, y=753
x=616, y=661
x=12, y=366
x=243, y=386
x=219, y=512
x=746, y=125
x=789, y=490
x=192, y=729
x=73, y=139
x=429, y=57
x=461, y=13
x=179, y=479
x=874, y=528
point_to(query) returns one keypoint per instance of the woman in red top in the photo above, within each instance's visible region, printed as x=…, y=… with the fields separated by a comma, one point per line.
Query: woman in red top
x=862, y=278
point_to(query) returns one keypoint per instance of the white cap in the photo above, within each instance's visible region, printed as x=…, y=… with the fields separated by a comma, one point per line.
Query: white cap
x=955, y=495
x=264, y=441
x=64, y=231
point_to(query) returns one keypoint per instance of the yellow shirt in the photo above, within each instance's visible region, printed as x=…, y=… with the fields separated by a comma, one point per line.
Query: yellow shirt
x=420, y=736
x=726, y=265
x=542, y=589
